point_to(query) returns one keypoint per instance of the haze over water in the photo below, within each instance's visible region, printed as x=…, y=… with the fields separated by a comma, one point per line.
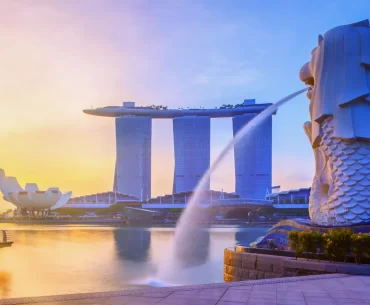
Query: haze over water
x=47, y=260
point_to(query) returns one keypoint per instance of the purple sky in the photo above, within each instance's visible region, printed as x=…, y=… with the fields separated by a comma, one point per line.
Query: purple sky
x=61, y=56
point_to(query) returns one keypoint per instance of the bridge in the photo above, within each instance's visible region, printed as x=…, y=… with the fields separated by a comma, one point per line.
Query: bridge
x=180, y=201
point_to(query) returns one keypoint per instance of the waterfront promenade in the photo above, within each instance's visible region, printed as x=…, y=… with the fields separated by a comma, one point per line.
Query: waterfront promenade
x=306, y=290
x=112, y=221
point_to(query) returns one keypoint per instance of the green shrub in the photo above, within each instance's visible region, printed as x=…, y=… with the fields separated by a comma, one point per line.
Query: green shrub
x=294, y=243
x=366, y=247
x=307, y=242
x=293, y=239
x=360, y=245
x=337, y=244
x=318, y=240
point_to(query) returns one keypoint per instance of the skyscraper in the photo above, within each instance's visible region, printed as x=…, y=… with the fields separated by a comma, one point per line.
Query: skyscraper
x=191, y=130
x=253, y=158
x=192, y=137
x=133, y=163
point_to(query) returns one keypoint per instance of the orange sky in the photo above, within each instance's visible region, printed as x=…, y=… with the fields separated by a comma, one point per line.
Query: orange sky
x=54, y=66
x=58, y=61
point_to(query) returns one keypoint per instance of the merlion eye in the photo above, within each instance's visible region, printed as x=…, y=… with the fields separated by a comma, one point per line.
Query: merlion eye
x=310, y=81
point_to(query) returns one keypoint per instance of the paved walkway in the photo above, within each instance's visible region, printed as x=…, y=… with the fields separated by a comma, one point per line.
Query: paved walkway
x=309, y=290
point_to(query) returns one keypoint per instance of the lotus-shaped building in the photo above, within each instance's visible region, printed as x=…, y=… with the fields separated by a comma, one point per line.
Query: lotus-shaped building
x=31, y=198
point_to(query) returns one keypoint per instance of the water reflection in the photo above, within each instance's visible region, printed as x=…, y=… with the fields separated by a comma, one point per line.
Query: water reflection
x=248, y=235
x=132, y=244
x=5, y=283
x=196, y=252
x=47, y=260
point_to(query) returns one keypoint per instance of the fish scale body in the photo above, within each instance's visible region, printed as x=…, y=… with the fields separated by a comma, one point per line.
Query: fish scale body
x=348, y=165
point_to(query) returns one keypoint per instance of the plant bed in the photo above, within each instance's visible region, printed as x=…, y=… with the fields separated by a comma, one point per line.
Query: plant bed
x=279, y=232
x=251, y=264
x=305, y=255
x=341, y=245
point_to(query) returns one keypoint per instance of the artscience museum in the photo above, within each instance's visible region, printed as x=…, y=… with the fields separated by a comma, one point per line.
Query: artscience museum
x=31, y=200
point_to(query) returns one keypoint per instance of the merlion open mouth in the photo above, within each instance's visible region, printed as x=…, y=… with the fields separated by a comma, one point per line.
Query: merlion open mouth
x=306, y=76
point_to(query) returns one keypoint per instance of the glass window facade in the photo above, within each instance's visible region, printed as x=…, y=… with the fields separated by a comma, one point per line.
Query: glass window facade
x=253, y=158
x=133, y=163
x=192, y=143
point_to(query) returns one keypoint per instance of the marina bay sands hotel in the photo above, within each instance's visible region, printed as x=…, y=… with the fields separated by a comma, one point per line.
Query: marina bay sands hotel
x=192, y=133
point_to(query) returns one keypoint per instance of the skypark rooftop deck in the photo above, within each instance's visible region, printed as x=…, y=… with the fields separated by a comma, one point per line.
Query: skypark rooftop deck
x=130, y=109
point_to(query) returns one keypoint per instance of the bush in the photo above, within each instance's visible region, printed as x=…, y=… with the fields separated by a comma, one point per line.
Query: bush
x=318, y=240
x=337, y=244
x=294, y=243
x=360, y=246
x=307, y=242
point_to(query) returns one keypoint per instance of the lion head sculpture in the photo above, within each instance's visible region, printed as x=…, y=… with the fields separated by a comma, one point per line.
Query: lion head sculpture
x=339, y=130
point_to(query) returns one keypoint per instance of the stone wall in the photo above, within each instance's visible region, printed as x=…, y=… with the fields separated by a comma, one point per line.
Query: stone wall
x=243, y=266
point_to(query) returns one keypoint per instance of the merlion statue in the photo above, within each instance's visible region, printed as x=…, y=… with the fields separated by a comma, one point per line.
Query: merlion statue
x=339, y=130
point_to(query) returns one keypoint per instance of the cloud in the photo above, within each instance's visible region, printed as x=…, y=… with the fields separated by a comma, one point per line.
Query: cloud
x=201, y=80
x=228, y=73
x=62, y=56
x=292, y=171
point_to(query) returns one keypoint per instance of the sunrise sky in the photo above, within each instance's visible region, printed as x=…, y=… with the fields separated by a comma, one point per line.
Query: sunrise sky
x=58, y=57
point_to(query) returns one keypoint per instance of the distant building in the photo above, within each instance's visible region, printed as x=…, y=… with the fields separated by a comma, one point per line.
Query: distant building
x=106, y=199
x=191, y=129
x=183, y=197
x=275, y=189
x=102, y=200
x=192, y=142
x=253, y=158
x=293, y=197
x=288, y=200
x=133, y=163
x=30, y=200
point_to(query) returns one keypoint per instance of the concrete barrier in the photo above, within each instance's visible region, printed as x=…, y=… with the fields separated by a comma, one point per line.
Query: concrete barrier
x=242, y=266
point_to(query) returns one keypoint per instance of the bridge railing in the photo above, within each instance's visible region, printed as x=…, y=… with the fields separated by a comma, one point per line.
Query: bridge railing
x=6, y=236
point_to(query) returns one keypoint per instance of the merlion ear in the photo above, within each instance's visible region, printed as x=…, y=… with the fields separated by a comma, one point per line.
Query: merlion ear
x=361, y=23
x=365, y=45
x=320, y=38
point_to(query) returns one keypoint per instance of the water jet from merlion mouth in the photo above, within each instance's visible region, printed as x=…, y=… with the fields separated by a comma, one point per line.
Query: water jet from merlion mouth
x=187, y=232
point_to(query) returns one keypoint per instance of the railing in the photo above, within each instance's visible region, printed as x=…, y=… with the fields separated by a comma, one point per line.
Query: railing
x=6, y=236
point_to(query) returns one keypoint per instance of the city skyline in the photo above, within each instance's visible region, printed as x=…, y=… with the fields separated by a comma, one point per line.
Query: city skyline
x=192, y=151
x=63, y=57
